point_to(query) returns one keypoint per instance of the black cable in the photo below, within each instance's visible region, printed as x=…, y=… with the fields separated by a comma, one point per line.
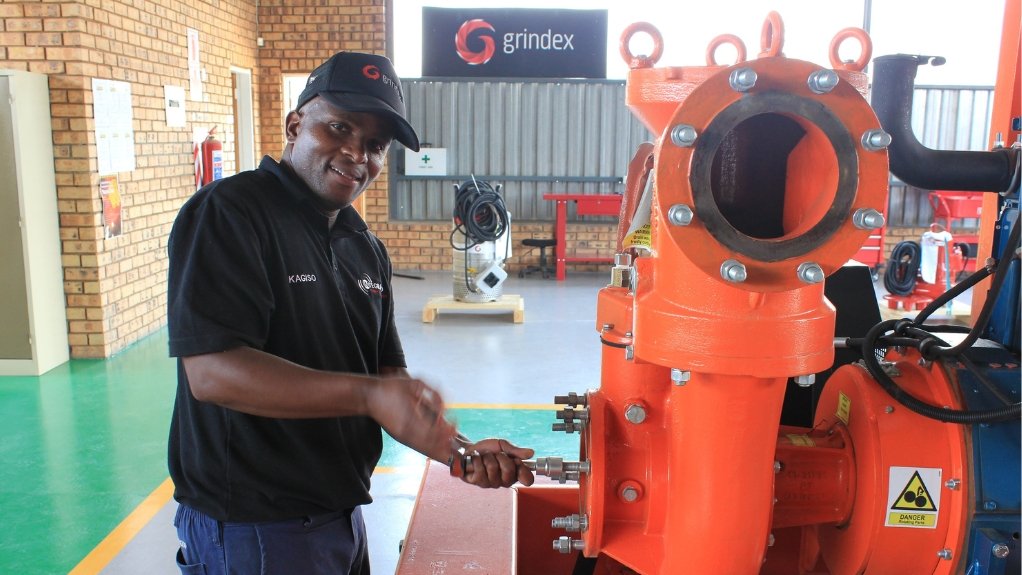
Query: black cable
x=872, y=364
x=480, y=216
x=955, y=291
x=1000, y=273
x=900, y=276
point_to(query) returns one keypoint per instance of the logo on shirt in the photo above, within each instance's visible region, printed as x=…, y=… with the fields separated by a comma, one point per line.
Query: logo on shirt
x=369, y=286
x=301, y=278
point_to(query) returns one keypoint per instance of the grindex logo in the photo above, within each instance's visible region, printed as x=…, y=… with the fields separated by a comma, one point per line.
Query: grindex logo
x=461, y=42
x=371, y=72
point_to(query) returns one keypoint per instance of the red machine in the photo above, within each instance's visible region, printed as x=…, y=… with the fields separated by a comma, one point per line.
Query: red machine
x=767, y=176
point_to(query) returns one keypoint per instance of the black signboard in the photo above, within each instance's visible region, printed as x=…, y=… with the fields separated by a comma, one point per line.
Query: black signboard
x=514, y=43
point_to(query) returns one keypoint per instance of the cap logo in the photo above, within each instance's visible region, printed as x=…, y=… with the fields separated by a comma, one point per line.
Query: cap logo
x=371, y=72
x=473, y=57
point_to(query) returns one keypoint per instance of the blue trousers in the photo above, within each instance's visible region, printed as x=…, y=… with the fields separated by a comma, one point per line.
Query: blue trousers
x=330, y=544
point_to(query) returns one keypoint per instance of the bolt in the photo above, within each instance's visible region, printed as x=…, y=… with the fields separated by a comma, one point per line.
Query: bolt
x=572, y=523
x=635, y=413
x=944, y=554
x=822, y=81
x=629, y=352
x=608, y=326
x=1000, y=550
x=952, y=484
x=733, y=271
x=771, y=540
x=565, y=544
x=810, y=272
x=679, y=376
x=990, y=505
x=629, y=494
x=683, y=135
x=889, y=409
x=875, y=140
x=805, y=380
x=680, y=215
x=742, y=79
x=778, y=466
x=868, y=219
x=571, y=400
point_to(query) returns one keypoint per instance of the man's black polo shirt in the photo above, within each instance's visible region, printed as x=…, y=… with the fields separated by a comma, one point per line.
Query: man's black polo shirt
x=252, y=263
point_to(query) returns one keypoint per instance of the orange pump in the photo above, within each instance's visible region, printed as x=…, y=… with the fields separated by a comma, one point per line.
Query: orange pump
x=767, y=176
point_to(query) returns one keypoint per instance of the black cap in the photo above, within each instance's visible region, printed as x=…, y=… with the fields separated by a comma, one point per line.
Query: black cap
x=359, y=82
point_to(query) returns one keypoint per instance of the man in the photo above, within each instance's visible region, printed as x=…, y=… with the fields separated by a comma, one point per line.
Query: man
x=281, y=315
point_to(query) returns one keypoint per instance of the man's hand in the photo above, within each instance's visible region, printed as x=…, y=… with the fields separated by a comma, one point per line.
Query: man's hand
x=497, y=463
x=412, y=413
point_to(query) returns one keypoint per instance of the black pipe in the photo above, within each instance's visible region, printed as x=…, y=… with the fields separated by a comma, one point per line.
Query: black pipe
x=915, y=164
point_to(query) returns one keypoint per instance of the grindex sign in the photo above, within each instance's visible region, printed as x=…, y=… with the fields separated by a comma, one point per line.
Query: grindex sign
x=514, y=43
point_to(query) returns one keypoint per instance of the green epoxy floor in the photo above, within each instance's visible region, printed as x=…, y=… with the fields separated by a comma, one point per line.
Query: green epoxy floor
x=83, y=445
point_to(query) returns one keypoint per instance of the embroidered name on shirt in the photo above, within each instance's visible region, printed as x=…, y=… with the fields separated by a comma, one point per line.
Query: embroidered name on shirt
x=301, y=278
x=370, y=286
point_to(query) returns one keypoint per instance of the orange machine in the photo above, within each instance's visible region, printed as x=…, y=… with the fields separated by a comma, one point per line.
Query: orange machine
x=766, y=177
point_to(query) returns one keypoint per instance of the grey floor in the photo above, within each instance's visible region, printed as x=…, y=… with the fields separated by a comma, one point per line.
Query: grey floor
x=474, y=358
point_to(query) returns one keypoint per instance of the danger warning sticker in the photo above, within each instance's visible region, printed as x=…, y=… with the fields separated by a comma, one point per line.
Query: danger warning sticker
x=913, y=497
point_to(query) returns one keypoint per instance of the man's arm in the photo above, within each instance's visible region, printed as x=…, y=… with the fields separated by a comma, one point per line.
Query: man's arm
x=248, y=380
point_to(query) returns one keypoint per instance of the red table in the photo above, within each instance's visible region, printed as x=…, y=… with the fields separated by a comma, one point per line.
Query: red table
x=586, y=205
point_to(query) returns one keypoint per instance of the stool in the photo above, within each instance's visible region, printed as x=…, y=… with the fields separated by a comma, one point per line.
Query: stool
x=542, y=268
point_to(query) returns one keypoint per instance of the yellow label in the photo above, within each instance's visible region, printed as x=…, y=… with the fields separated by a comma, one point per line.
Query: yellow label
x=801, y=440
x=909, y=519
x=639, y=238
x=914, y=497
x=844, y=407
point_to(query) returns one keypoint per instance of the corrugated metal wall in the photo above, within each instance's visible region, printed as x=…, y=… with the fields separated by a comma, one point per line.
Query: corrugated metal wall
x=532, y=137
x=567, y=136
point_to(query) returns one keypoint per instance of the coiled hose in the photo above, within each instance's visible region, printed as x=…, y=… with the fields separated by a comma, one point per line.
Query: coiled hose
x=479, y=213
x=902, y=268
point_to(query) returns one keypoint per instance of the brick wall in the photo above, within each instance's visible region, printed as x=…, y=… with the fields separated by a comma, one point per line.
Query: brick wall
x=116, y=287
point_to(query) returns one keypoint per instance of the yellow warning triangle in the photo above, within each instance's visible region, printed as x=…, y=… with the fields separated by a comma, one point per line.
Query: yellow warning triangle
x=914, y=497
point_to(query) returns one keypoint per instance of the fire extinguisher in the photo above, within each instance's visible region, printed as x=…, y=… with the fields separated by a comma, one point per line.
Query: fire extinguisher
x=212, y=165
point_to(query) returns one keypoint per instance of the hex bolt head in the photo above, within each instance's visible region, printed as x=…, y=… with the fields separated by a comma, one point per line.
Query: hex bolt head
x=805, y=380
x=733, y=271
x=778, y=466
x=823, y=81
x=889, y=409
x=742, y=79
x=629, y=494
x=635, y=413
x=990, y=505
x=945, y=554
x=868, y=219
x=875, y=140
x=810, y=272
x=680, y=215
x=680, y=376
x=565, y=544
x=953, y=484
x=683, y=135
x=1000, y=550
